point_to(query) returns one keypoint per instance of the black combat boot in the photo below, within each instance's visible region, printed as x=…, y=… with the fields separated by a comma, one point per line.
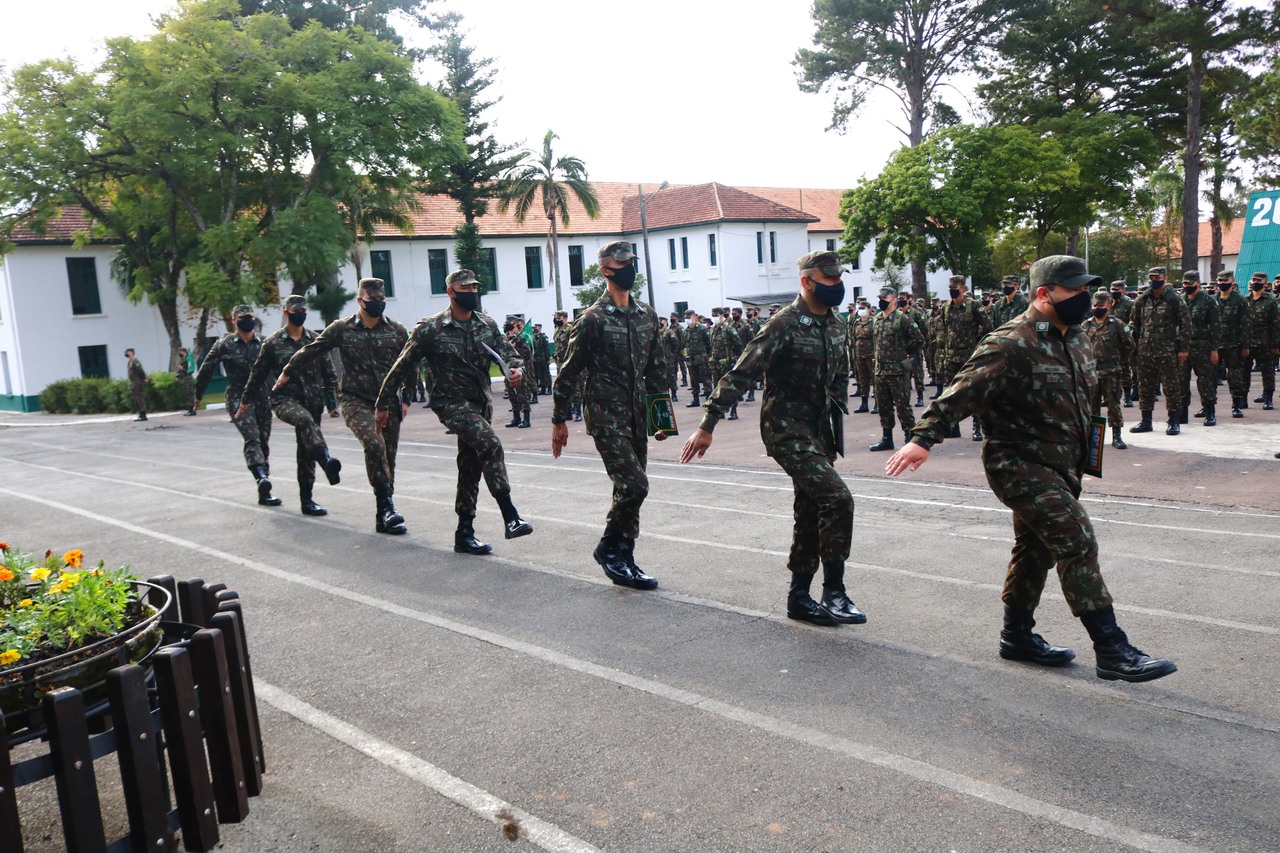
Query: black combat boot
x=639, y=580
x=387, y=519
x=1203, y=412
x=684, y=381
x=1173, y=428
x=1261, y=398
x=977, y=430
x=1117, y=442
x=513, y=525
x=937, y=393
x=954, y=431
x=1235, y=408
x=693, y=404
x=142, y=416
x=1017, y=642
x=751, y=396
x=835, y=601
x=1144, y=425
x=675, y=398
x=264, y=486
x=800, y=604
x=733, y=413
x=577, y=413
x=608, y=554
x=309, y=507
x=1128, y=399
x=1117, y=659
x=332, y=467
x=189, y=413
x=885, y=443
x=862, y=410
x=1183, y=417
x=919, y=399
x=464, y=538
x=515, y=419
x=1244, y=400
x=1266, y=404
x=524, y=423
x=1210, y=418
x=533, y=398
x=875, y=407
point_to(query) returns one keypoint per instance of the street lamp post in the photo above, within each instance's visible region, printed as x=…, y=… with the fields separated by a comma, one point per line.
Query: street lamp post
x=644, y=232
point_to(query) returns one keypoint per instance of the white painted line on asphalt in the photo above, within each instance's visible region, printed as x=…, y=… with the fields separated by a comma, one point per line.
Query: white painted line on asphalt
x=900, y=764
x=537, y=831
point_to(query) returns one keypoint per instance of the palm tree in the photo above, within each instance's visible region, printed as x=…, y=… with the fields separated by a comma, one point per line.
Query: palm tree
x=554, y=179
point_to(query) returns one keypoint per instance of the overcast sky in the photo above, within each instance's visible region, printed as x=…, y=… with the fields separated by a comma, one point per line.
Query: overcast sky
x=686, y=91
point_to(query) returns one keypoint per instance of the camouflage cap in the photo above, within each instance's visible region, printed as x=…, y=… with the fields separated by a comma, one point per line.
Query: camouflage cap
x=777, y=306
x=1120, y=283
x=1191, y=275
x=1160, y=271
x=690, y=313
x=1226, y=275
x=1258, y=276
x=376, y=288
x=905, y=294
x=1102, y=296
x=1011, y=278
x=956, y=279
x=1062, y=270
x=293, y=302
x=826, y=262
x=619, y=250
x=241, y=309
x=461, y=277
x=888, y=292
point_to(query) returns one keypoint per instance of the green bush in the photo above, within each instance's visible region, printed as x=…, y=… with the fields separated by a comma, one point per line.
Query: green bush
x=85, y=396
x=97, y=395
x=165, y=393
x=117, y=397
x=53, y=398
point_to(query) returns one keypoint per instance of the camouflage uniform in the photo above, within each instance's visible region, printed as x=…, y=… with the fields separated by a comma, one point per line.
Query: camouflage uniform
x=520, y=396
x=681, y=364
x=1122, y=310
x=1264, y=336
x=724, y=340
x=541, y=362
x=137, y=385
x=670, y=355
x=896, y=337
x=959, y=330
x=698, y=345
x=1206, y=339
x=563, y=332
x=864, y=355
x=1234, y=320
x=1112, y=346
x=1006, y=308
x=237, y=357
x=916, y=357
x=187, y=381
x=1162, y=327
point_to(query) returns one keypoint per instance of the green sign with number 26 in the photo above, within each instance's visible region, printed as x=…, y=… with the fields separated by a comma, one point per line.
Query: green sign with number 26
x=1260, y=246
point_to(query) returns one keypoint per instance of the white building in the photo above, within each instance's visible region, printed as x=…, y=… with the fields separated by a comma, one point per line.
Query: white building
x=62, y=316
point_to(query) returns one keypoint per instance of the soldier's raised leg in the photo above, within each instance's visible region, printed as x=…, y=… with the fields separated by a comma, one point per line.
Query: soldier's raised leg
x=480, y=454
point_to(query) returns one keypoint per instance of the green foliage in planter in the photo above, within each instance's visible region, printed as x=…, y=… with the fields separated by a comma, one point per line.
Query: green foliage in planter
x=98, y=395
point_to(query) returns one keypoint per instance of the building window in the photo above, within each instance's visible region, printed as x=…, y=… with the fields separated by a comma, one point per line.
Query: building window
x=831, y=244
x=533, y=267
x=380, y=267
x=93, y=361
x=671, y=250
x=773, y=247
x=576, y=269
x=680, y=308
x=759, y=247
x=82, y=274
x=711, y=248
x=857, y=263
x=438, y=265
x=489, y=275
x=684, y=252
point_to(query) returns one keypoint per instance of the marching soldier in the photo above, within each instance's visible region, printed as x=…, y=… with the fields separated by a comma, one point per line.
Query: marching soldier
x=541, y=360
x=864, y=355
x=896, y=336
x=1162, y=327
x=723, y=343
x=1235, y=319
x=1203, y=353
x=670, y=348
x=563, y=329
x=1112, y=344
x=681, y=364
x=519, y=394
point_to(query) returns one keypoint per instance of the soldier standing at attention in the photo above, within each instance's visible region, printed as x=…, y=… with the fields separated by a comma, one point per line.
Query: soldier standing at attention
x=907, y=305
x=723, y=342
x=1235, y=320
x=519, y=394
x=670, y=349
x=1162, y=327
x=563, y=329
x=1122, y=310
x=137, y=384
x=300, y=402
x=237, y=352
x=1206, y=342
x=1264, y=339
x=681, y=364
x=863, y=354
x=187, y=381
x=615, y=345
x=1011, y=304
x=698, y=343
x=368, y=343
x=963, y=324
x=801, y=353
x=1032, y=382
x=896, y=337
x=742, y=336
x=541, y=360
x=452, y=345
x=1112, y=344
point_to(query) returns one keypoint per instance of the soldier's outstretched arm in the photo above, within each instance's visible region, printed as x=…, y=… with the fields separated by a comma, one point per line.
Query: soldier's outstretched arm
x=405, y=366
x=211, y=360
x=327, y=340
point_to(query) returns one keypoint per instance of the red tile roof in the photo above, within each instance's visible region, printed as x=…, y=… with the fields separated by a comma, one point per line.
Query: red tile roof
x=824, y=204
x=62, y=228
x=678, y=206
x=1231, y=237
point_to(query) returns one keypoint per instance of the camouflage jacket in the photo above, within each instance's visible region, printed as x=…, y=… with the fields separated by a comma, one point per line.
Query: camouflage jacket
x=724, y=340
x=367, y=354
x=1111, y=341
x=541, y=346
x=670, y=346
x=804, y=361
x=313, y=387
x=1236, y=321
x=562, y=341
x=1123, y=310
x=1161, y=318
x=678, y=331
x=960, y=328
x=457, y=362
x=742, y=336
x=863, y=336
x=1206, y=321
x=1003, y=309
x=520, y=346
x=1031, y=388
x=1264, y=323
x=697, y=341
x=136, y=374
x=896, y=336
x=236, y=357
x=617, y=350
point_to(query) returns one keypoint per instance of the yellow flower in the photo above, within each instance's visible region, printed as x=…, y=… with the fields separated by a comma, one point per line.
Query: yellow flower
x=5, y=574
x=26, y=602
x=70, y=579
x=60, y=587
x=40, y=574
x=73, y=558
x=9, y=656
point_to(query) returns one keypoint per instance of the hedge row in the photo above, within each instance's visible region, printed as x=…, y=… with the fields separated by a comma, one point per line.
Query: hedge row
x=96, y=396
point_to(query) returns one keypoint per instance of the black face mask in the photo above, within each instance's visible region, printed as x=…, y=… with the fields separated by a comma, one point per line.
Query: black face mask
x=1117, y=295
x=559, y=323
x=830, y=295
x=245, y=324
x=1256, y=286
x=1226, y=289
x=884, y=304
x=1157, y=284
x=955, y=292
x=1008, y=289
x=1072, y=310
x=375, y=307
x=297, y=318
x=1099, y=312
x=470, y=300
x=624, y=277
x=1191, y=289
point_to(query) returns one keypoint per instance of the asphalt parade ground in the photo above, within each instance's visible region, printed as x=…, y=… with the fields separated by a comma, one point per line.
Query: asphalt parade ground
x=414, y=699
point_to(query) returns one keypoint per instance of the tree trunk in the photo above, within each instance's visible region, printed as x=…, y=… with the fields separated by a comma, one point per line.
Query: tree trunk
x=168, y=308
x=915, y=135
x=554, y=245
x=1215, y=256
x=1073, y=241
x=1191, y=165
x=202, y=329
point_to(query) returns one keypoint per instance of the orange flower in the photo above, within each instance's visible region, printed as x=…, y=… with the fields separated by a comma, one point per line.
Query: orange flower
x=4, y=546
x=73, y=558
x=5, y=574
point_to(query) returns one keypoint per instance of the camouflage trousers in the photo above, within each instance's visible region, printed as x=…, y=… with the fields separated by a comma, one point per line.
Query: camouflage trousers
x=1237, y=377
x=138, y=394
x=1129, y=371
x=700, y=375
x=673, y=378
x=1050, y=528
x=822, y=530
x=188, y=382
x=893, y=392
x=1110, y=394
x=306, y=428
x=1266, y=364
x=624, y=460
x=1206, y=376
x=917, y=373
x=544, y=374
x=255, y=429
x=520, y=395
x=379, y=449
x=864, y=369
x=719, y=367
x=682, y=366
x=479, y=452
x=1158, y=365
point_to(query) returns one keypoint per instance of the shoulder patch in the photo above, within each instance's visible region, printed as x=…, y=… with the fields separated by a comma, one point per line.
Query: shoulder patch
x=806, y=320
x=1042, y=326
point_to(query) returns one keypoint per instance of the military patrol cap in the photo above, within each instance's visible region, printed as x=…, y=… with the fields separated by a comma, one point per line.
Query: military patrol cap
x=1011, y=278
x=1120, y=283
x=956, y=279
x=1225, y=275
x=888, y=292
x=1258, y=276
x=1191, y=275
x=619, y=250
x=461, y=277
x=1062, y=270
x=293, y=302
x=376, y=288
x=827, y=262
x=1160, y=271
x=1102, y=296
x=241, y=309
x=690, y=313
x=775, y=307
x=905, y=294
x=564, y=314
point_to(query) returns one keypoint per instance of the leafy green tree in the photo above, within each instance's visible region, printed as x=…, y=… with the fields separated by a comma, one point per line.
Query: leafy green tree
x=551, y=180
x=1124, y=252
x=1016, y=249
x=593, y=285
x=1255, y=120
